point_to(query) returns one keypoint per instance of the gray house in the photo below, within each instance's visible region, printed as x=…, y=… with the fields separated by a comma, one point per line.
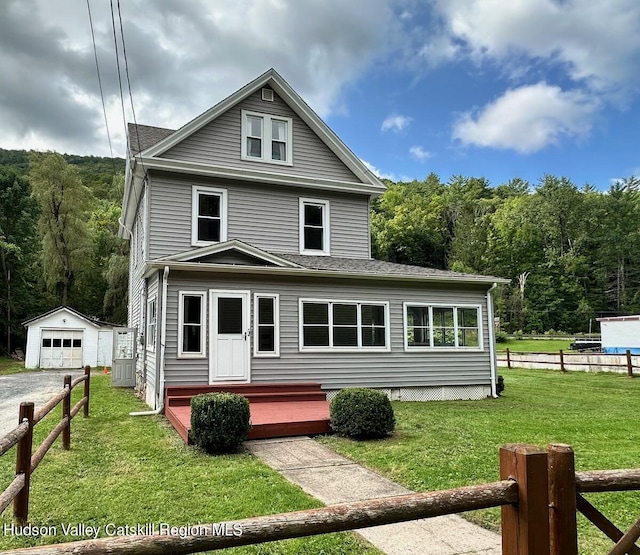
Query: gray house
x=251, y=263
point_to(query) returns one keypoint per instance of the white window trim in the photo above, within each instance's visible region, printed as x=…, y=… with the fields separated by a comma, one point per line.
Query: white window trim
x=266, y=138
x=431, y=349
x=331, y=349
x=276, y=320
x=195, y=193
x=326, y=226
x=150, y=340
x=203, y=324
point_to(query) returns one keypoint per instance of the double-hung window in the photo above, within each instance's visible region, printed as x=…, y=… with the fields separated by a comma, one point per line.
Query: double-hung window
x=266, y=138
x=151, y=324
x=314, y=226
x=343, y=325
x=266, y=325
x=208, y=215
x=191, y=324
x=436, y=326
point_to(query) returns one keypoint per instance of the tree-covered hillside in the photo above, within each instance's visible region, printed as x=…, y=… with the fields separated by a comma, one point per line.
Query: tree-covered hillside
x=572, y=254
x=58, y=238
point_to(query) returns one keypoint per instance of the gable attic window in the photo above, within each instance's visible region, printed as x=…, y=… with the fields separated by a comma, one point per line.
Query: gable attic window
x=208, y=215
x=266, y=138
x=314, y=227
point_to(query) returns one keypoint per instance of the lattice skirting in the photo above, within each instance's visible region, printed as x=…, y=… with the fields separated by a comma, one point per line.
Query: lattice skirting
x=435, y=393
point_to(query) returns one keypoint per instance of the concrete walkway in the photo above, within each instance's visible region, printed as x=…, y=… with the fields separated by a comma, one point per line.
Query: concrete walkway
x=332, y=479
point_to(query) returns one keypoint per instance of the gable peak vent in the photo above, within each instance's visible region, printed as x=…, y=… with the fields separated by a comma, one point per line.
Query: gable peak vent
x=267, y=94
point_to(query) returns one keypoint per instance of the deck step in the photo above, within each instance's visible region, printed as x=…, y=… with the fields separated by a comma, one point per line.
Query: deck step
x=267, y=397
x=277, y=410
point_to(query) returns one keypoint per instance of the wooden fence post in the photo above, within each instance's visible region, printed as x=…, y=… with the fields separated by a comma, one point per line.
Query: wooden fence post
x=23, y=465
x=562, y=369
x=629, y=364
x=87, y=373
x=508, y=359
x=525, y=525
x=562, y=500
x=66, y=413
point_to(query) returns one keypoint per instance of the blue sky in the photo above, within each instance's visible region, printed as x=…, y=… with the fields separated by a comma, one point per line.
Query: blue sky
x=472, y=87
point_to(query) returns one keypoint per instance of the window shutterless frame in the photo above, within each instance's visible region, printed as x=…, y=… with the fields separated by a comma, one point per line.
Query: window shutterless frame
x=334, y=328
x=151, y=318
x=195, y=322
x=315, y=228
x=266, y=324
x=199, y=218
x=441, y=330
x=267, y=138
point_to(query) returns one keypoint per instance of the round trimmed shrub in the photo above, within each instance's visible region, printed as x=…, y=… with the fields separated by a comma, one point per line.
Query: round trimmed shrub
x=362, y=413
x=219, y=421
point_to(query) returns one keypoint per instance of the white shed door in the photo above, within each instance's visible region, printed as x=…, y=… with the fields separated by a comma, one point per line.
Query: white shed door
x=61, y=348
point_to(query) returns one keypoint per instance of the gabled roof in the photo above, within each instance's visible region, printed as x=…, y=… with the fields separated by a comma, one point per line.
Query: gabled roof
x=93, y=321
x=274, y=80
x=194, y=255
x=141, y=137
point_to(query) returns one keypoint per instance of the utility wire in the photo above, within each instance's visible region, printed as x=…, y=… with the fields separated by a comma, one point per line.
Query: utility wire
x=126, y=69
x=104, y=109
x=115, y=43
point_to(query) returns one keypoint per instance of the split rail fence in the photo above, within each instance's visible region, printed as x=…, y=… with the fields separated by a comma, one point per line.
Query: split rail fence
x=594, y=362
x=539, y=493
x=22, y=437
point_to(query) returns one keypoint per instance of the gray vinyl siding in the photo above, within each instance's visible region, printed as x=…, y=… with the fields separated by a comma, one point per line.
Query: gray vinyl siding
x=136, y=283
x=265, y=216
x=153, y=291
x=219, y=143
x=396, y=368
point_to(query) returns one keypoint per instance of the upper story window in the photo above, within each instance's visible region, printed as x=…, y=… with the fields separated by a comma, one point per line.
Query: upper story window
x=435, y=327
x=314, y=226
x=208, y=216
x=266, y=138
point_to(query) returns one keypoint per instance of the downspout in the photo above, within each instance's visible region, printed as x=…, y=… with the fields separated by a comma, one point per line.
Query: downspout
x=160, y=365
x=492, y=342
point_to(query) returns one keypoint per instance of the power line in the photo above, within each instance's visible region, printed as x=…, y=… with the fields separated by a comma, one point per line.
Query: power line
x=126, y=69
x=115, y=43
x=104, y=110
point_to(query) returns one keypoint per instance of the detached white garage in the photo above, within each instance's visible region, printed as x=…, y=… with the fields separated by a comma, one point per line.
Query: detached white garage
x=65, y=338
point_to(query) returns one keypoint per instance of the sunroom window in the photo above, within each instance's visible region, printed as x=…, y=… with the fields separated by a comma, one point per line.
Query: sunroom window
x=266, y=325
x=191, y=338
x=343, y=325
x=428, y=326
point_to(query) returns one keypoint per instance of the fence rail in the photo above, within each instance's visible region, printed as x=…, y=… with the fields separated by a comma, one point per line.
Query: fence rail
x=539, y=494
x=570, y=361
x=22, y=437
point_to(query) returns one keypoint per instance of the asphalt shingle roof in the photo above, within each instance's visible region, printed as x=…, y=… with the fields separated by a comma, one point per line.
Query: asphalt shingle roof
x=142, y=137
x=365, y=266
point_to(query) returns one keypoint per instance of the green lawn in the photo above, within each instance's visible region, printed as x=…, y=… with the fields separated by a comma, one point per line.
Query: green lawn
x=10, y=366
x=441, y=445
x=130, y=470
x=534, y=345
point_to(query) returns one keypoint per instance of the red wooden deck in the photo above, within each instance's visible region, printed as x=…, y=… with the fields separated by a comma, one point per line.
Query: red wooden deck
x=277, y=410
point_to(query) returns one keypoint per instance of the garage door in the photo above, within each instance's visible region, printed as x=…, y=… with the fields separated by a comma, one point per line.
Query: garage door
x=61, y=349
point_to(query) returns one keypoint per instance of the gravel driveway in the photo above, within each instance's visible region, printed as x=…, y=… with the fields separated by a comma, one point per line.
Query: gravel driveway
x=38, y=387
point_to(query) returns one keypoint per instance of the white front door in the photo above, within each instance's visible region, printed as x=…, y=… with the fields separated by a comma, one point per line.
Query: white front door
x=229, y=353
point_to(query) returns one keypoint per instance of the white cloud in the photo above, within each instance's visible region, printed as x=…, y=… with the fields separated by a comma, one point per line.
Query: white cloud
x=395, y=122
x=420, y=153
x=528, y=119
x=379, y=174
x=184, y=56
x=597, y=42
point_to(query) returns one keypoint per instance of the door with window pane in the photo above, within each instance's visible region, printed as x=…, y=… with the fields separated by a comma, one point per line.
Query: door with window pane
x=230, y=336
